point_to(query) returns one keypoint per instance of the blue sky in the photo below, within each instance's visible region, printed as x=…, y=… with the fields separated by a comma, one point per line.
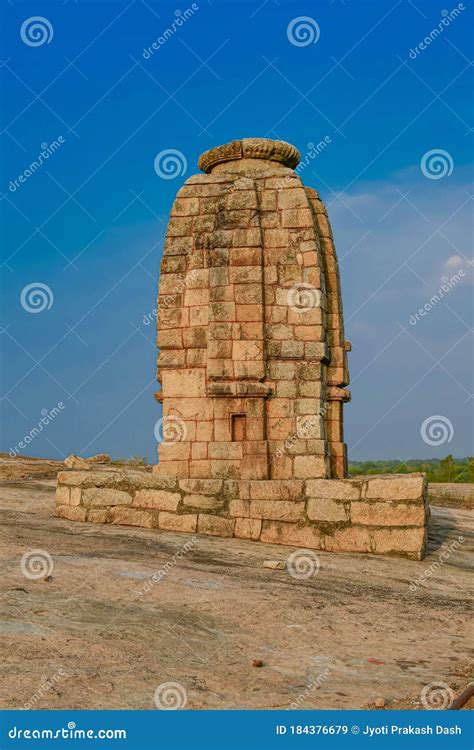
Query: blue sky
x=89, y=222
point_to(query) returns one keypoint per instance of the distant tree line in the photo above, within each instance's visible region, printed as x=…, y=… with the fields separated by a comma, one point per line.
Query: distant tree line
x=447, y=469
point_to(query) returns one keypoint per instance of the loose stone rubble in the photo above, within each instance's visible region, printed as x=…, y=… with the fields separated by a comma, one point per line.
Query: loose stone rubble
x=253, y=367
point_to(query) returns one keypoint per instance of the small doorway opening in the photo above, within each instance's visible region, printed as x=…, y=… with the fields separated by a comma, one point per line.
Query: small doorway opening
x=237, y=427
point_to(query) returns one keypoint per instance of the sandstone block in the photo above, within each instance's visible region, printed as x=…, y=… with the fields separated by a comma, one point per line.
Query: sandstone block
x=95, y=497
x=204, y=502
x=132, y=517
x=277, y=510
x=351, y=539
x=387, y=514
x=335, y=489
x=239, y=507
x=186, y=522
x=410, y=542
x=290, y=534
x=275, y=490
x=248, y=528
x=187, y=383
x=156, y=499
x=396, y=488
x=62, y=495
x=97, y=515
x=325, y=509
x=201, y=486
x=76, y=462
x=215, y=525
x=72, y=514
x=75, y=496
x=308, y=467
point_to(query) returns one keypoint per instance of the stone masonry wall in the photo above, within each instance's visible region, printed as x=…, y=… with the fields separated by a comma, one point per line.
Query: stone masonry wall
x=378, y=514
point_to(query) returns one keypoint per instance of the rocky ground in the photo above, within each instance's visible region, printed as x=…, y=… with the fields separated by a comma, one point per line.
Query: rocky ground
x=230, y=631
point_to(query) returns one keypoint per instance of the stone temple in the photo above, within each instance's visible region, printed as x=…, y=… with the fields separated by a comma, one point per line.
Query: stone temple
x=253, y=372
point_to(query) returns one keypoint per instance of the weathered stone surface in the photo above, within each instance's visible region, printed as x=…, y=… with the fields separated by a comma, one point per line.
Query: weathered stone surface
x=173, y=522
x=204, y=502
x=97, y=515
x=99, y=458
x=248, y=528
x=351, y=539
x=387, y=514
x=410, y=542
x=309, y=466
x=325, y=509
x=215, y=525
x=132, y=517
x=201, y=486
x=278, y=510
x=62, y=495
x=274, y=532
x=72, y=514
x=76, y=462
x=346, y=489
x=395, y=488
x=97, y=497
x=157, y=499
x=276, y=490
